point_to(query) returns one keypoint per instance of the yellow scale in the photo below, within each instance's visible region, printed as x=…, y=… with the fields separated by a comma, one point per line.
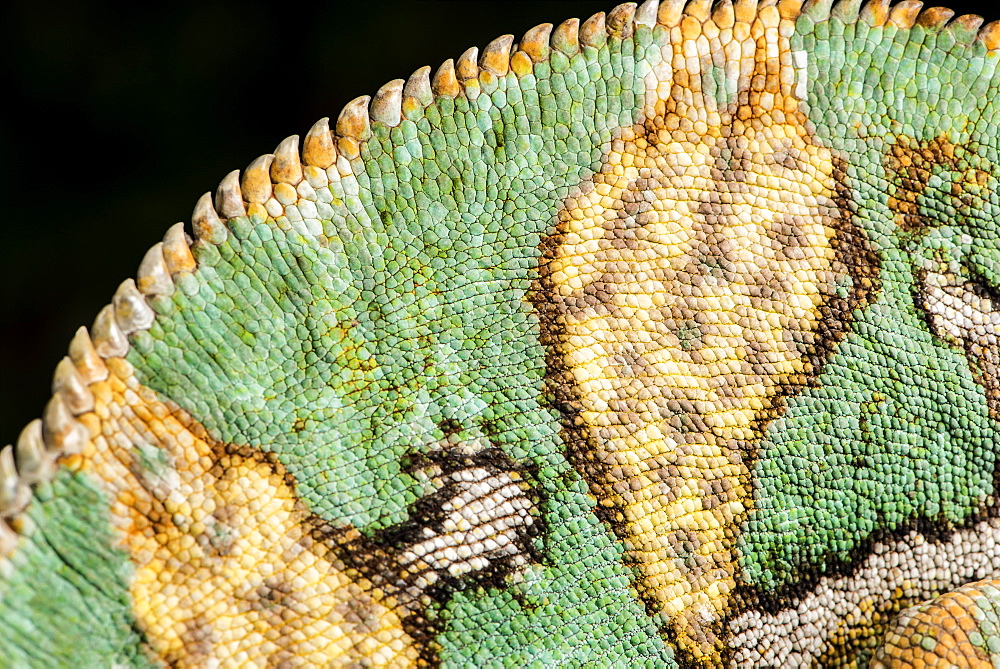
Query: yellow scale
x=662, y=276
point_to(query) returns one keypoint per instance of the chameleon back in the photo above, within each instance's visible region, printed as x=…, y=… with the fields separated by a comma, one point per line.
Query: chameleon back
x=668, y=338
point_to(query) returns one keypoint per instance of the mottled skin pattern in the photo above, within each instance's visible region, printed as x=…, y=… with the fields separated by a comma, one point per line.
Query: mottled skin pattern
x=669, y=338
x=669, y=299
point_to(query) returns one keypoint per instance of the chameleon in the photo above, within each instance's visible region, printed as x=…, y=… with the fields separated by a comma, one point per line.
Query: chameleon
x=664, y=338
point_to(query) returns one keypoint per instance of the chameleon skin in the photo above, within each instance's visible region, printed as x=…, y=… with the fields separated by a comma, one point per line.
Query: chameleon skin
x=70, y=586
x=415, y=405
x=968, y=617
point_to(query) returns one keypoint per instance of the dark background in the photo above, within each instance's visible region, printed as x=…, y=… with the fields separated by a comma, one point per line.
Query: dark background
x=118, y=116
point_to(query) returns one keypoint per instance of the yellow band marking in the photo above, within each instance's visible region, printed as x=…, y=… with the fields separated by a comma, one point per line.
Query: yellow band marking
x=227, y=569
x=688, y=277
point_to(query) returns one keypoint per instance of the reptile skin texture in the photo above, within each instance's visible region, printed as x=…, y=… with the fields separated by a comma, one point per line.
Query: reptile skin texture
x=665, y=338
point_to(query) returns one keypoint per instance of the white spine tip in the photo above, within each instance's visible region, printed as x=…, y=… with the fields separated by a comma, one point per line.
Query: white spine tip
x=645, y=15
x=467, y=65
x=934, y=17
x=620, y=20
x=67, y=381
x=61, y=432
x=746, y=10
x=670, y=12
x=875, y=12
x=205, y=221
x=445, y=82
x=88, y=363
x=14, y=493
x=256, y=182
x=905, y=13
x=418, y=86
x=177, y=250
x=965, y=28
x=387, y=104
x=535, y=42
x=989, y=35
x=287, y=168
x=566, y=36
x=593, y=31
x=724, y=15
x=132, y=312
x=353, y=121
x=701, y=10
x=8, y=540
x=153, y=277
x=318, y=148
x=109, y=341
x=229, y=197
x=34, y=462
x=496, y=56
x=818, y=10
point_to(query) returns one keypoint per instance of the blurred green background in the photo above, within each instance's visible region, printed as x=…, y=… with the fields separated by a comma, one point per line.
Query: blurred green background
x=116, y=117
